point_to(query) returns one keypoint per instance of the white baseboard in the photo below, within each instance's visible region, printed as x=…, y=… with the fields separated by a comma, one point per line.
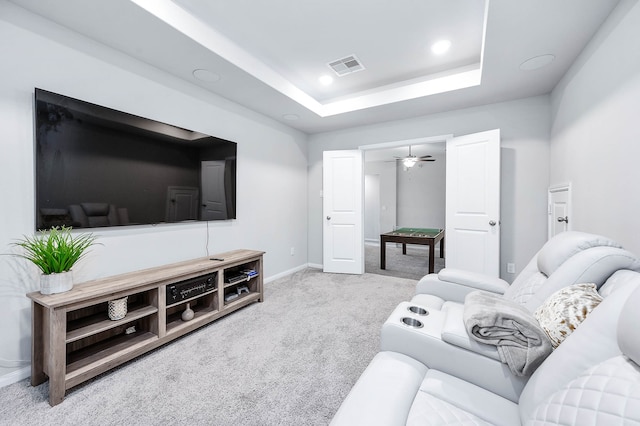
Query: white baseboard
x=15, y=376
x=315, y=265
x=285, y=273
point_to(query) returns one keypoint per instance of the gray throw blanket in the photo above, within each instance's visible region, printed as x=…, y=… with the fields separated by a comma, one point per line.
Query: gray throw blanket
x=522, y=344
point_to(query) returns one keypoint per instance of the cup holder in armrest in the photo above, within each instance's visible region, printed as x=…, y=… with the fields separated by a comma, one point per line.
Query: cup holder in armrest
x=418, y=310
x=411, y=322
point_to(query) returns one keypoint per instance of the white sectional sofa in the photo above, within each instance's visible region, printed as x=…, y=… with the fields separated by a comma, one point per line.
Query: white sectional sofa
x=442, y=342
x=592, y=378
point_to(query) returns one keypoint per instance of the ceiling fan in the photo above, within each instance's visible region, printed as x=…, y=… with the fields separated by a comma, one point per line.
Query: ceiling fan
x=411, y=160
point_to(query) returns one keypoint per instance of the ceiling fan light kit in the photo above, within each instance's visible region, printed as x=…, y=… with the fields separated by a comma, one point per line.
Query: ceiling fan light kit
x=411, y=160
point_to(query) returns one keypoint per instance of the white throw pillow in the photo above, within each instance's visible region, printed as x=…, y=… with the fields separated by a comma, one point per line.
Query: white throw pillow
x=565, y=309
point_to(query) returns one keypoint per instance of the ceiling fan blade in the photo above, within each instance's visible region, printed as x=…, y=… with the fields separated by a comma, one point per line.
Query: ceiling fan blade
x=426, y=159
x=425, y=156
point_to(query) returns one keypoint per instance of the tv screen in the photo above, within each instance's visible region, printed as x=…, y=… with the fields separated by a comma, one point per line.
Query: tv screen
x=98, y=167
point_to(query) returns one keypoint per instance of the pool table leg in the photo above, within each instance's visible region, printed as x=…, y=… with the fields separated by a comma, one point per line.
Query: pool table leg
x=404, y=248
x=383, y=250
x=432, y=260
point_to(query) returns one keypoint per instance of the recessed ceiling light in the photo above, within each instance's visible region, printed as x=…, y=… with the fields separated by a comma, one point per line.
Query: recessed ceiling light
x=325, y=80
x=290, y=117
x=537, y=62
x=440, y=47
x=206, y=75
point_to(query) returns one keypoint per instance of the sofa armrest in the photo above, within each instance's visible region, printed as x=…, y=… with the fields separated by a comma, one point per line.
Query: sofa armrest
x=384, y=393
x=455, y=284
x=474, y=280
x=425, y=344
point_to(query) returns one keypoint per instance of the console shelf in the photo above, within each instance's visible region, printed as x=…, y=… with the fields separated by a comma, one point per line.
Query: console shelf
x=84, y=361
x=96, y=323
x=73, y=338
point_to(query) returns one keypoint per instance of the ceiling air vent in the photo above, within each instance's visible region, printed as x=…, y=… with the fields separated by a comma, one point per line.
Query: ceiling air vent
x=346, y=65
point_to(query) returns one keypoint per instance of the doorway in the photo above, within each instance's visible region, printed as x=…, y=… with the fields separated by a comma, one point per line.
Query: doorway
x=472, y=207
x=405, y=197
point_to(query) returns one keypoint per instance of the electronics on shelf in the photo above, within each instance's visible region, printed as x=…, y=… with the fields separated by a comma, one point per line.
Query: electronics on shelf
x=187, y=289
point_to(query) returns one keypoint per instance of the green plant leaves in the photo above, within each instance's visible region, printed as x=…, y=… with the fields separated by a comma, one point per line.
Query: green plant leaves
x=56, y=250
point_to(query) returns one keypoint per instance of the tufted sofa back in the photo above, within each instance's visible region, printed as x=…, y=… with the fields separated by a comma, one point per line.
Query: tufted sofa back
x=593, y=377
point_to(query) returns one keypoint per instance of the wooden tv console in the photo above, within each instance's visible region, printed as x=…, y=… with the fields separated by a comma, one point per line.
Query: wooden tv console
x=73, y=338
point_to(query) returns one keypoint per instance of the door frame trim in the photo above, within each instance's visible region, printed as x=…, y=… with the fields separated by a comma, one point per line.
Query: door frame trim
x=406, y=142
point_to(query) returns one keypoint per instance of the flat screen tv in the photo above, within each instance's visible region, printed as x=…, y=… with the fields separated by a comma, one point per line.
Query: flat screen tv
x=98, y=167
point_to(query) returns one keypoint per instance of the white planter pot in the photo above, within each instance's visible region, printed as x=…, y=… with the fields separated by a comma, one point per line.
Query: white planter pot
x=56, y=283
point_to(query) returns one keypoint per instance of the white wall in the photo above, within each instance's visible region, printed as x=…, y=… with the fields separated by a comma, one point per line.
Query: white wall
x=595, y=138
x=524, y=126
x=272, y=166
x=372, y=207
x=387, y=214
x=421, y=194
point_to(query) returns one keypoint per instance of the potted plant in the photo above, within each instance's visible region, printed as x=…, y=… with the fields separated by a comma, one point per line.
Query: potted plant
x=55, y=252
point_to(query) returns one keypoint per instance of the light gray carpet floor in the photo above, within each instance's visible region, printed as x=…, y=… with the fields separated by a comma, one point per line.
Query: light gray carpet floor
x=290, y=360
x=414, y=265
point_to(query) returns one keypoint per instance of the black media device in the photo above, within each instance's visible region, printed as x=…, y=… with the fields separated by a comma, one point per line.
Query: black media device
x=98, y=167
x=183, y=290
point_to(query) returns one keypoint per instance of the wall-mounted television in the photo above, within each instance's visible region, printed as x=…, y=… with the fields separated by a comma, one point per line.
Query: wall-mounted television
x=98, y=167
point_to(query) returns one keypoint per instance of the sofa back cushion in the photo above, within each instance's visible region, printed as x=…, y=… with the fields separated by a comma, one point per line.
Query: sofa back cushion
x=593, y=265
x=564, y=260
x=565, y=245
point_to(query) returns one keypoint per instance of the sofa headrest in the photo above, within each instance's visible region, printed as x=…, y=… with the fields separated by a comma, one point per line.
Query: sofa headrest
x=95, y=209
x=628, y=330
x=566, y=244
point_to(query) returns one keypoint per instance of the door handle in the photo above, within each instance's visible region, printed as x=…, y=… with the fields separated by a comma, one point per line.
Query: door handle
x=328, y=217
x=492, y=222
x=564, y=219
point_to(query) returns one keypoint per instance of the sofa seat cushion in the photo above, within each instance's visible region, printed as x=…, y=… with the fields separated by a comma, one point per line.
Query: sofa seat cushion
x=430, y=410
x=398, y=390
x=444, y=399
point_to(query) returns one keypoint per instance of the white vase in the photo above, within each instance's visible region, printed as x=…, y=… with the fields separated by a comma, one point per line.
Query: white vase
x=188, y=313
x=56, y=282
x=117, y=309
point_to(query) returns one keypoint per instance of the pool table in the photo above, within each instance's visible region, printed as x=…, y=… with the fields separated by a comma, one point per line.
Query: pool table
x=423, y=236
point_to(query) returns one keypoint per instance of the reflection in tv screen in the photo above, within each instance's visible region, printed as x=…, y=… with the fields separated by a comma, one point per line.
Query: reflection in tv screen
x=98, y=167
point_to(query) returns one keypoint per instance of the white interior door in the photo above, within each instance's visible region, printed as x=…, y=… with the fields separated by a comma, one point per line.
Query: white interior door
x=559, y=209
x=473, y=203
x=342, y=187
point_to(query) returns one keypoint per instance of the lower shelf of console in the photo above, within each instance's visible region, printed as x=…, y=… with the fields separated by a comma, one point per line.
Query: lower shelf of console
x=104, y=356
